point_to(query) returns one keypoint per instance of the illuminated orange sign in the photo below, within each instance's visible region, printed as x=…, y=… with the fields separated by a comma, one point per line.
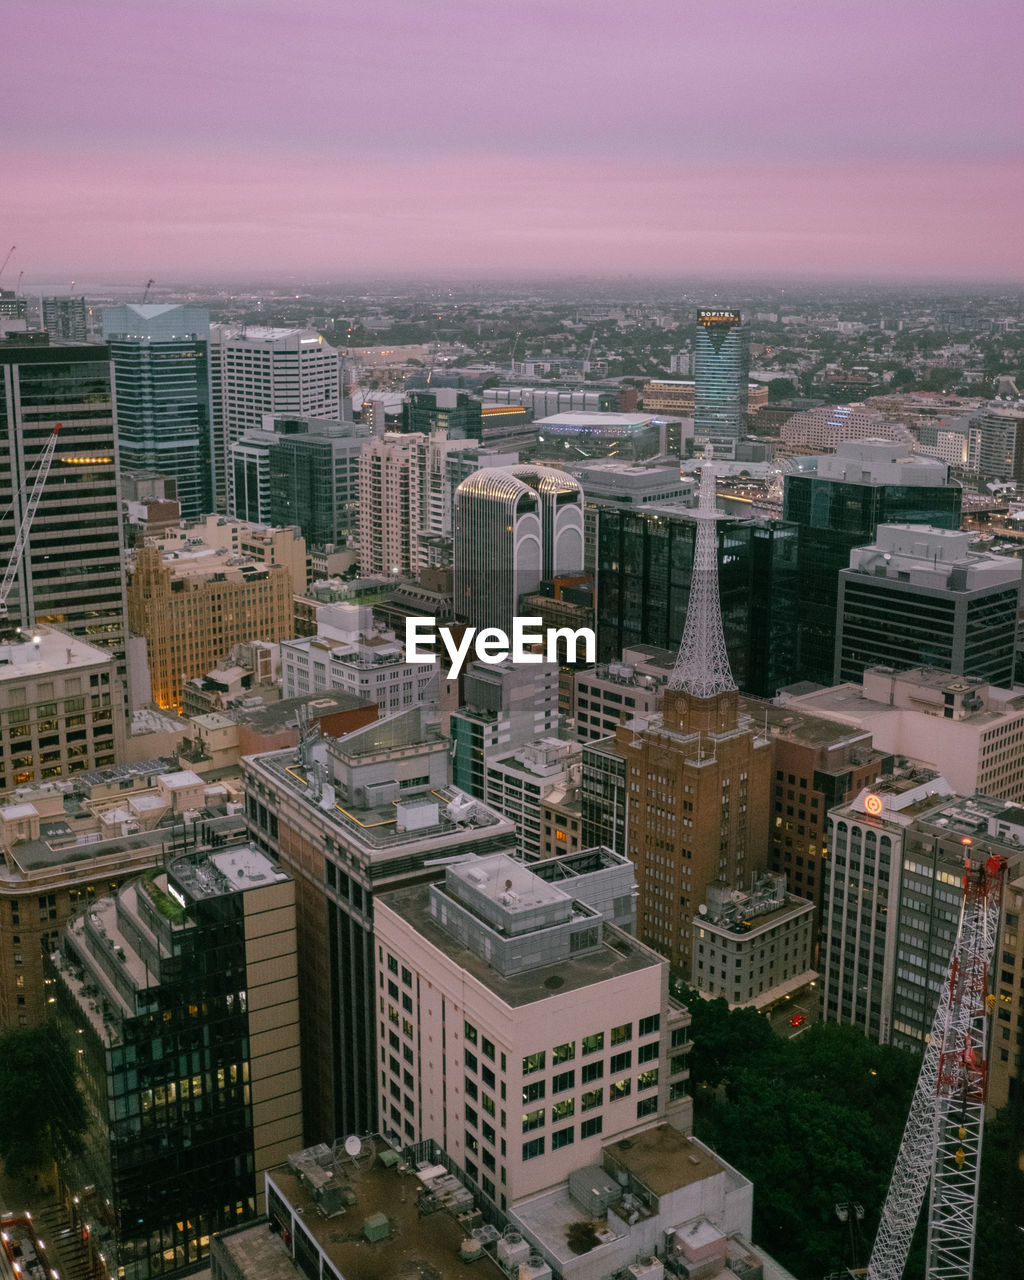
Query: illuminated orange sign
x=873, y=804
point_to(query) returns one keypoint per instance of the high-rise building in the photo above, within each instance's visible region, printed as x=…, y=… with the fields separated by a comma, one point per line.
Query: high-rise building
x=180, y=995
x=721, y=365
x=697, y=777
x=72, y=570
x=162, y=396
x=644, y=568
x=999, y=430
x=501, y=984
x=348, y=818
x=504, y=705
x=513, y=527
x=838, y=501
x=919, y=596
x=390, y=504
x=66, y=319
x=445, y=409
x=255, y=371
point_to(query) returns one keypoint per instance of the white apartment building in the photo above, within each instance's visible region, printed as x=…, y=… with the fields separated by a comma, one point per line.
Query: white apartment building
x=391, y=502
x=516, y=784
x=348, y=653
x=519, y=1029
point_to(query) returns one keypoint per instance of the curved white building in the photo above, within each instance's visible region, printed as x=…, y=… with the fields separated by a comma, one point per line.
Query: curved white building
x=512, y=528
x=824, y=427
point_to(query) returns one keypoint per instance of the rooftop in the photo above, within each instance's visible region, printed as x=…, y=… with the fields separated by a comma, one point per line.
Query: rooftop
x=45, y=650
x=417, y=1244
x=618, y=954
x=663, y=1159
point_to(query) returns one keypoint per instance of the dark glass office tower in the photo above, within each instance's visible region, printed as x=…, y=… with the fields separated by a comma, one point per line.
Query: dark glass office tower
x=444, y=409
x=178, y=996
x=162, y=396
x=644, y=568
x=71, y=573
x=838, y=502
x=721, y=369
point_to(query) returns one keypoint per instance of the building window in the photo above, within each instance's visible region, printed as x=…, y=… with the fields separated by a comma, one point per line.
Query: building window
x=648, y=1026
x=562, y=1138
x=619, y=1089
x=532, y=1062
x=533, y=1092
x=565, y=1080
x=563, y=1052
x=647, y=1106
x=620, y=1062
x=620, y=1035
x=533, y=1119
x=591, y=1127
x=592, y=1071
x=560, y=1110
x=592, y=1099
x=592, y=1044
x=533, y=1148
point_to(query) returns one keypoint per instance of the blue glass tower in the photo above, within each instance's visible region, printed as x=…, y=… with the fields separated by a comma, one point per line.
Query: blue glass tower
x=721, y=368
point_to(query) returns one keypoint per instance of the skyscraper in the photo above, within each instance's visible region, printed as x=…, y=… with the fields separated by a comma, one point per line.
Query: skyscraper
x=71, y=573
x=697, y=777
x=513, y=527
x=162, y=396
x=721, y=365
x=288, y=372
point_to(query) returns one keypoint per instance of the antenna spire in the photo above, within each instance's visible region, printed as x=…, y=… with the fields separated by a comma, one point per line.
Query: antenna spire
x=702, y=667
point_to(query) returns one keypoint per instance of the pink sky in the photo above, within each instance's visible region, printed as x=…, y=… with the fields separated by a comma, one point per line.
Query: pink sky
x=662, y=137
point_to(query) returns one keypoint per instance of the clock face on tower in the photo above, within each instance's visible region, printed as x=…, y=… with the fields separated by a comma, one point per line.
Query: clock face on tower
x=873, y=804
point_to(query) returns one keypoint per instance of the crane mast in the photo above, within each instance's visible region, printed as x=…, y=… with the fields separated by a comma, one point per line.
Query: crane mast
x=941, y=1144
x=20, y=541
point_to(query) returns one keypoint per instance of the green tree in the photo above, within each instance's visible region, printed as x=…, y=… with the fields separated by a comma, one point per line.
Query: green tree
x=781, y=388
x=42, y=1112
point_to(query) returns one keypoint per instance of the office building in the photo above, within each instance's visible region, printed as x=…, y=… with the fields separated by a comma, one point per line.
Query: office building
x=819, y=764
x=513, y=527
x=517, y=783
x=71, y=574
x=721, y=363
x=644, y=567
x=191, y=543
x=971, y=733
x=837, y=502
x=698, y=777
x=504, y=705
x=860, y=910
x=447, y=409
x=66, y=319
x=753, y=947
x=61, y=708
x=162, y=396
x=348, y=818
x=256, y=371
x=471, y=1022
x=14, y=310
x=184, y=1122
x=349, y=653
x=632, y=688
x=192, y=608
x=920, y=597
x=1000, y=442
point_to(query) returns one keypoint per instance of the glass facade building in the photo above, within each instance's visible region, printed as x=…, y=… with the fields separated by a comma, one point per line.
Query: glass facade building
x=644, y=569
x=721, y=368
x=833, y=516
x=162, y=396
x=71, y=575
x=178, y=995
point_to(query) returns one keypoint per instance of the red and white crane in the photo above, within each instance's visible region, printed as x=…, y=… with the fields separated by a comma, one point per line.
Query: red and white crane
x=941, y=1145
x=25, y=527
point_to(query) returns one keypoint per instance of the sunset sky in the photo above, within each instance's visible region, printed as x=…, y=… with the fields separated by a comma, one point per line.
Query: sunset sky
x=665, y=138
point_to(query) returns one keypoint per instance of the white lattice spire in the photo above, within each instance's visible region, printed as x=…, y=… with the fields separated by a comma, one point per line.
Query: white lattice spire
x=702, y=667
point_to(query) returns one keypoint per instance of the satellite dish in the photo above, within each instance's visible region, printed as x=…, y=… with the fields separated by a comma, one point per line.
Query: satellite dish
x=353, y=1145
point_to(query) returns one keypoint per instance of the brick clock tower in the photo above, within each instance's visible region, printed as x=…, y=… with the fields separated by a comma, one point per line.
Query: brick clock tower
x=698, y=778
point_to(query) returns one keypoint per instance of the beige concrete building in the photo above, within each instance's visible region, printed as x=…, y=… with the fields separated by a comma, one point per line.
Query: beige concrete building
x=192, y=608
x=971, y=733
x=262, y=544
x=390, y=504
x=520, y=1028
x=61, y=708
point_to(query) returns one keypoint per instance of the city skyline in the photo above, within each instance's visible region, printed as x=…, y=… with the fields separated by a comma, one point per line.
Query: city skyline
x=790, y=139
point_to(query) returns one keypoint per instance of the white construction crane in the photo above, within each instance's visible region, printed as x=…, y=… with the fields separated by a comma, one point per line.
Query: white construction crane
x=942, y=1141
x=20, y=541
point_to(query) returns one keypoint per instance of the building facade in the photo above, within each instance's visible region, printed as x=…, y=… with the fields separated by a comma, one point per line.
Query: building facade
x=721, y=364
x=162, y=396
x=71, y=574
x=66, y=319
x=181, y=993
x=919, y=597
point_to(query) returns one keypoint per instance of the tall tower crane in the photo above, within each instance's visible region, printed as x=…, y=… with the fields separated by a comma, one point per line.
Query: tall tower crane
x=942, y=1141
x=21, y=540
